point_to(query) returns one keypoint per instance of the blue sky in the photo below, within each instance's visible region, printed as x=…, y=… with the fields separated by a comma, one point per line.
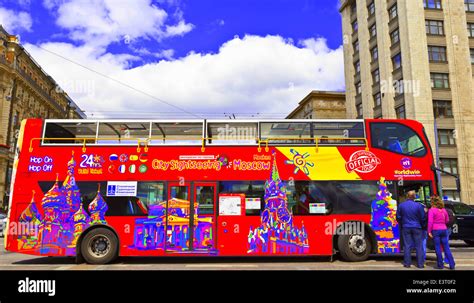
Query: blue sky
x=143, y=38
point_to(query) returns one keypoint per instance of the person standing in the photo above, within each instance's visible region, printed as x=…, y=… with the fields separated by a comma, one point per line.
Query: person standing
x=437, y=219
x=410, y=216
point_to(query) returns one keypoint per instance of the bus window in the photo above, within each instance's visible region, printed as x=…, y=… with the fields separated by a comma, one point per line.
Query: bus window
x=355, y=197
x=286, y=132
x=205, y=198
x=179, y=192
x=151, y=193
x=332, y=132
x=65, y=130
x=232, y=133
x=397, y=138
x=122, y=132
x=251, y=189
x=177, y=133
x=308, y=198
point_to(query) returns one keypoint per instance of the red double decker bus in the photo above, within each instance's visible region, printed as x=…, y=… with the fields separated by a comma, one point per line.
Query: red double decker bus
x=101, y=189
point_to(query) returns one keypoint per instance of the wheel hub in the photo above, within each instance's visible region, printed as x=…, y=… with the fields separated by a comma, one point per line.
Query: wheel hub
x=357, y=244
x=99, y=246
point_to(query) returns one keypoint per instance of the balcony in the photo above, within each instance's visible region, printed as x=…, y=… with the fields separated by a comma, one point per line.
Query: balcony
x=40, y=90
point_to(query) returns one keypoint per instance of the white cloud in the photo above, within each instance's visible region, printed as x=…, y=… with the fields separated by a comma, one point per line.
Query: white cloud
x=101, y=22
x=15, y=21
x=250, y=74
x=179, y=29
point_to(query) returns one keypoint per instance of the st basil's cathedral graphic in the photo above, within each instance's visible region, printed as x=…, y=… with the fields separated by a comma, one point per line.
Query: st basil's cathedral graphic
x=57, y=230
x=277, y=233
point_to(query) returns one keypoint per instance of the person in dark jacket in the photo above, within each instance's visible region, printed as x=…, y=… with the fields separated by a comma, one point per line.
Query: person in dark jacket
x=411, y=217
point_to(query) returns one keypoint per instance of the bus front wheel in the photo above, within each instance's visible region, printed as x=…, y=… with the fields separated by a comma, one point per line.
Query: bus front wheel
x=355, y=247
x=99, y=246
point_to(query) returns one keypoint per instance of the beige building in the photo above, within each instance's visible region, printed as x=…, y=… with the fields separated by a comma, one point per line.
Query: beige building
x=321, y=105
x=26, y=91
x=413, y=59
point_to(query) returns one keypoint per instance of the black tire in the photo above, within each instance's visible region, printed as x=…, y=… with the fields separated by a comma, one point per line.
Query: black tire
x=99, y=246
x=469, y=242
x=354, y=248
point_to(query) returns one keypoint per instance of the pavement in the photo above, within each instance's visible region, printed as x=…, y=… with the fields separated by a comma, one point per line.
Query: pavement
x=463, y=255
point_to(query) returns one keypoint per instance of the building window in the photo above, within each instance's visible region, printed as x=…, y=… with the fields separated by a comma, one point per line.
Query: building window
x=433, y=4
x=371, y=8
x=437, y=53
x=434, y=27
x=356, y=46
x=373, y=31
x=470, y=30
x=469, y=4
x=359, y=109
x=449, y=165
x=400, y=111
x=439, y=80
x=377, y=99
x=374, y=52
x=397, y=61
x=355, y=26
x=395, y=36
x=359, y=88
x=446, y=137
x=442, y=109
x=398, y=87
x=376, y=76
x=472, y=55
x=357, y=67
x=393, y=12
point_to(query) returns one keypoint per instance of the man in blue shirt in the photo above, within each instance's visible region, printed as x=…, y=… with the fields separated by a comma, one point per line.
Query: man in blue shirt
x=411, y=217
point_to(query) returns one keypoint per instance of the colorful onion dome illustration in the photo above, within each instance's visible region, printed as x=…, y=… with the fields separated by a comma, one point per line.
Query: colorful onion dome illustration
x=70, y=188
x=81, y=216
x=98, y=207
x=54, y=198
x=383, y=220
x=31, y=213
x=383, y=193
x=71, y=165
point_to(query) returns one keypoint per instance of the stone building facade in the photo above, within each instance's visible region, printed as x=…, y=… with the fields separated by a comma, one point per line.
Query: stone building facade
x=321, y=105
x=413, y=59
x=26, y=91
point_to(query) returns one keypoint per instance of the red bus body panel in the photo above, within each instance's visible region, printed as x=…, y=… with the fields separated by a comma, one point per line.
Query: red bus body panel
x=233, y=235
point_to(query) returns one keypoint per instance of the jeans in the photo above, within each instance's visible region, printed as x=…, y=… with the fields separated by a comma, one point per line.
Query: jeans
x=423, y=243
x=413, y=238
x=440, y=238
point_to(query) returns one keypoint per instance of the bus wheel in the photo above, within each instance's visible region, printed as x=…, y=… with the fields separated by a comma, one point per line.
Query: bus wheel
x=99, y=246
x=354, y=248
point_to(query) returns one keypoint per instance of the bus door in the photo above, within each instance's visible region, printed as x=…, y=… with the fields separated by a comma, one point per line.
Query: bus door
x=190, y=217
x=204, y=227
x=422, y=188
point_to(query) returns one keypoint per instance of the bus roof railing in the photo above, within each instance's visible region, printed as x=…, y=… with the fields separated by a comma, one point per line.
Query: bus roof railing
x=145, y=142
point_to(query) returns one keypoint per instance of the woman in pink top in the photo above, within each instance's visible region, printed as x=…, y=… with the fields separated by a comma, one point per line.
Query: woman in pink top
x=437, y=219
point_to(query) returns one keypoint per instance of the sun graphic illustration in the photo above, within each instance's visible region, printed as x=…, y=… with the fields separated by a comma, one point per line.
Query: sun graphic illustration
x=300, y=162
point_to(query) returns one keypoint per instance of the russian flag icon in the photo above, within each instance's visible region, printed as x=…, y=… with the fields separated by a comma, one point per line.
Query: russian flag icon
x=113, y=157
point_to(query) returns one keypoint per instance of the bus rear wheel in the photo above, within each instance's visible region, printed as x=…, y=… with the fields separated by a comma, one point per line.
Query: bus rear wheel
x=99, y=246
x=354, y=248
